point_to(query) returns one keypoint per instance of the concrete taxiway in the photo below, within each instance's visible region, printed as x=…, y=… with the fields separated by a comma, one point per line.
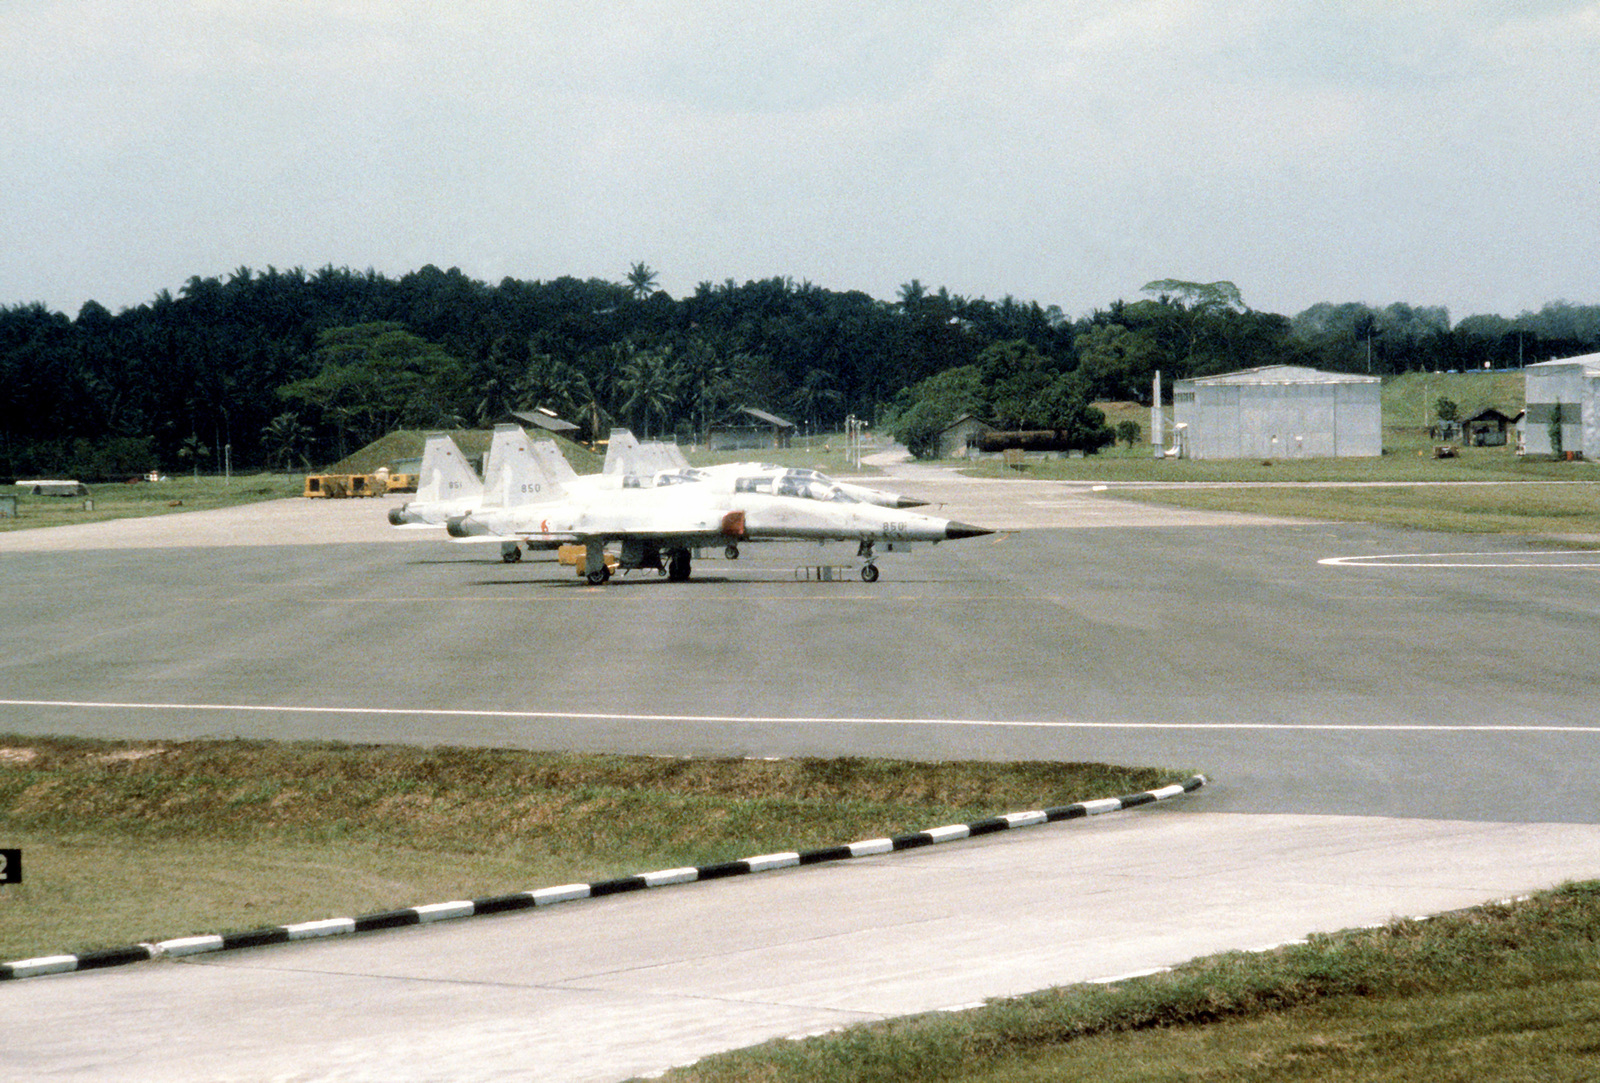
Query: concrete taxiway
x=1385, y=740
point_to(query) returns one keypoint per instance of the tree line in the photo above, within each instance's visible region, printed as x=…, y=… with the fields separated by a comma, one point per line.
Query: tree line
x=285, y=369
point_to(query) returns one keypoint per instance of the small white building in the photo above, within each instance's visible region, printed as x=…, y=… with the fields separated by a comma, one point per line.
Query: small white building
x=1279, y=412
x=959, y=439
x=1572, y=386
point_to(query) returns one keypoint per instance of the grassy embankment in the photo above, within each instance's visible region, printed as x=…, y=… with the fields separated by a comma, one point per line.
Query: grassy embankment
x=1406, y=487
x=1505, y=992
x=126, y=842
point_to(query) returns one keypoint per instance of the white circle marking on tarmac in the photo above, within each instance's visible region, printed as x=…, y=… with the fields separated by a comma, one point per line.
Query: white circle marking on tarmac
x=1482, y=560
x=602, y=716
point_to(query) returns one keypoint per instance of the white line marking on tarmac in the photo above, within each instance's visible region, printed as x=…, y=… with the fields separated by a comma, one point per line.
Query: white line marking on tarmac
x=1485, y=560
x=988, y=723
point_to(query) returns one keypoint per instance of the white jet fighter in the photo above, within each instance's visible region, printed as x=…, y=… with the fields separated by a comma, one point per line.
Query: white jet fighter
x=445, y=471
x=447, y=486
x=627, y=457
x=639, y=464
x=660, y=525
x=797, y=478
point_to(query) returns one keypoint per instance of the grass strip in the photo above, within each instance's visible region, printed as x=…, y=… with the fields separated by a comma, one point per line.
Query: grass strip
x=1506, y=991
x=1529, y=508
x=128, y=841
x=134, y=500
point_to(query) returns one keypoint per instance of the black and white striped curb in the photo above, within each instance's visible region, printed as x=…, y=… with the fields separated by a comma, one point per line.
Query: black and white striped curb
x=527, y=900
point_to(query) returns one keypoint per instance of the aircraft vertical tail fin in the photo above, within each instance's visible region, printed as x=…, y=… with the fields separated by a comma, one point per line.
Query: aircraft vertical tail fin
x=622, y=450
x=655, y=457
x=445, y=473
x=513, y=473
x=555, y=464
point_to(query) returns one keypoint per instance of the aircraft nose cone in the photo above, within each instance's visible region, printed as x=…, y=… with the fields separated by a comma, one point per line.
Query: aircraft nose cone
x=954, y=530
x=908, y=502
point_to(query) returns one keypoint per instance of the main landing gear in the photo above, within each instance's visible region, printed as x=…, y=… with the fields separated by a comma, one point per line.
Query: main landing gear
x=673, y=564
x=869, y=570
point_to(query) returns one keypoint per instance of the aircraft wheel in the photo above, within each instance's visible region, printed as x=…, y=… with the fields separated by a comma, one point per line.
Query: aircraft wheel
x=511, y=556
x=678, y=566
x=869, y=573
x=731, y=552
x=595, y=579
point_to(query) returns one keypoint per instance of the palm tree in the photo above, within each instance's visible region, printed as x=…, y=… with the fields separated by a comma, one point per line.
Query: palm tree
x=650, y=380
x=815, y=393
x=286, y=437
x=641, y=281
x=583, y=395
x=705, y=375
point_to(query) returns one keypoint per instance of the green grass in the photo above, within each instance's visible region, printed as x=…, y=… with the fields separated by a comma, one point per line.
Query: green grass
x=1528, y=499
x=1502, y=992
x=824, y=452
x=1535, y=509
x=125, y=842
x=1408, y=410
x=130, y=500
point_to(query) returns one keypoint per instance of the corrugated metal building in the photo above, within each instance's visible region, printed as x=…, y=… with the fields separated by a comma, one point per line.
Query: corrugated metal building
x=1571, y=385
x=1281, y=411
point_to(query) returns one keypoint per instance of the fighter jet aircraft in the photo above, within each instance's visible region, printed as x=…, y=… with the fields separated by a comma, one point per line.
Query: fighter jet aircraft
x=447, y=486
x=798, y=477
x=638, y=463
x=627, y=457
x=660, y=525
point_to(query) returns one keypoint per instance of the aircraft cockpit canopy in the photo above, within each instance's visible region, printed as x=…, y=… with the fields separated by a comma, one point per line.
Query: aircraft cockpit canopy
x=788, y=485
x=665, y=477
x=685, y=476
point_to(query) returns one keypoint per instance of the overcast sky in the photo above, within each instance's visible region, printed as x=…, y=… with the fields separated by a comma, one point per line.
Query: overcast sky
x=1438, y=153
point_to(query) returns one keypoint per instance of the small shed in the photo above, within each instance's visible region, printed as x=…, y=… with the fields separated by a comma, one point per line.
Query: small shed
x=1280, y=411
x=959, y=439
x=1563, y=407
x=1486, y=428
x=748, y=427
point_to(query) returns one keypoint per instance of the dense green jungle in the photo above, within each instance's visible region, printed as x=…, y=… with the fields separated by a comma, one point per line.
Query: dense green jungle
x=292, y=369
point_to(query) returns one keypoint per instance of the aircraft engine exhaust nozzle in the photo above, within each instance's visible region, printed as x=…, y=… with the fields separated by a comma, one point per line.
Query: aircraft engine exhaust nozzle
x=457, y=527
x=954, y=530
x=397, y=516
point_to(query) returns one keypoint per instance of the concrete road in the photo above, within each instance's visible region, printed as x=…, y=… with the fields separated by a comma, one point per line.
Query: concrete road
x=632, y=985
x=1387, y=737
x=1447, y=686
